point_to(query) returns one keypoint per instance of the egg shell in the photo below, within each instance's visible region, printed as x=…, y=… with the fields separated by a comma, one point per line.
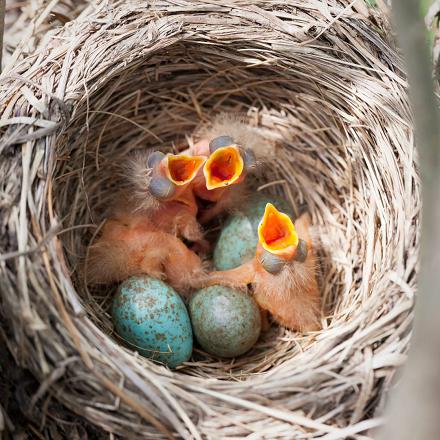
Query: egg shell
x=153, y=320
x=238, y=239
x=226, y=322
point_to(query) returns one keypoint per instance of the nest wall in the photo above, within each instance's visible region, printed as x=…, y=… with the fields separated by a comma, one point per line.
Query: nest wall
x=325, y=84
x=30, y=21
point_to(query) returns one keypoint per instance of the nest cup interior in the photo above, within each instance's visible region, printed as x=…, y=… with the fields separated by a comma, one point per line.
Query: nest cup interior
x=338, y=117
x=153, y=106
x=156, y=103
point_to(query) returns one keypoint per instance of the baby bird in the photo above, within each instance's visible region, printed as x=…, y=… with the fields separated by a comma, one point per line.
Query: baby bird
x=282, y=273
x=160, y=186
x=142, y=237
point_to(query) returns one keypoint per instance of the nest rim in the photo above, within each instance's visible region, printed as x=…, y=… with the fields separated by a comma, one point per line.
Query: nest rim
x=150, y=391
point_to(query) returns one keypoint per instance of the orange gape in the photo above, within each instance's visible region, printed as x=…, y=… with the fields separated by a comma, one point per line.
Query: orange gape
x=276, y=233
x=182, y=169
x=283, y=272
x=224, y=167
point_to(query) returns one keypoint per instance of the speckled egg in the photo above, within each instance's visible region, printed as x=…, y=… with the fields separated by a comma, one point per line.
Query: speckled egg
x=153, y=320
x=239, y=237
x=226, y=322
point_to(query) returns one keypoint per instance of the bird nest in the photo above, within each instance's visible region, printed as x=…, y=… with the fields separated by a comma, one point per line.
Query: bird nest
x=322, y=81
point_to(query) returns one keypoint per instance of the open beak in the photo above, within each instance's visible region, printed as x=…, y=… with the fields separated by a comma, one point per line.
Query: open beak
x=223, y=167
x=277, y=234
x=181, y=169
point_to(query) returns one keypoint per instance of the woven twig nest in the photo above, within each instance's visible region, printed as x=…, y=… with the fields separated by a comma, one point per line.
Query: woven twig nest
x=321, y=81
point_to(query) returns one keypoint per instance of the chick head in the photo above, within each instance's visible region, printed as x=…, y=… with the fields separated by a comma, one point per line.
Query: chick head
x=227, y=163
x=278, y=241
x=172, y=171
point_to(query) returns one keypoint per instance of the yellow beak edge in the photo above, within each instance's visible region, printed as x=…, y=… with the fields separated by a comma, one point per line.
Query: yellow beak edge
x=182, y=169
x=223, y=167
x=277, y=234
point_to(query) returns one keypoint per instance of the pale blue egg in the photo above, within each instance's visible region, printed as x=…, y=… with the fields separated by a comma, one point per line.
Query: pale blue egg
x=238, y=239
x=152, y=319
x=226, y=322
